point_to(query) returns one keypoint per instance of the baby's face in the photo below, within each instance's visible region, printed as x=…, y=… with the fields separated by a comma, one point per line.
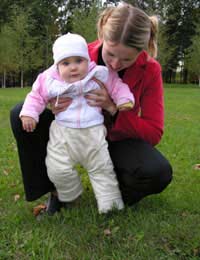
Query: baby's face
x=73, y=68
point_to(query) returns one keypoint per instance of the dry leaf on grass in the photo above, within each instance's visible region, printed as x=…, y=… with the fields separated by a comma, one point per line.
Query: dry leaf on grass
x=6, y=172
x=196, y=251
x=38, y=209
x=184, y=214
x=16, y=197
x=196, y=166
x=107, y=232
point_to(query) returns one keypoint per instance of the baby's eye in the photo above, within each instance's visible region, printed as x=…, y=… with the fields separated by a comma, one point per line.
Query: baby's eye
x=79, y=60
x=65, y=63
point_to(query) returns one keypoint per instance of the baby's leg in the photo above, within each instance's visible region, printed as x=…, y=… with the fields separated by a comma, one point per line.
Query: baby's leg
x=60, y=165
x=102, y=175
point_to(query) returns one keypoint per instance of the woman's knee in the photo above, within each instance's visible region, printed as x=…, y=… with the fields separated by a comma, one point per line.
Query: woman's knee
x=14, y=118
x=144, y=178
x=164, y=177
x=16, y=110
x=159, y=176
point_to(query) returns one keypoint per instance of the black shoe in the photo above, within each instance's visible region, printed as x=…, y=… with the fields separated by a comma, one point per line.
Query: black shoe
x=53, y=205
x=71, y=204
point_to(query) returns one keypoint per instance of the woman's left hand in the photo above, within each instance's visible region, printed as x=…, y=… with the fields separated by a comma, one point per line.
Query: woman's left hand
x=101, y=98
x=62, y=105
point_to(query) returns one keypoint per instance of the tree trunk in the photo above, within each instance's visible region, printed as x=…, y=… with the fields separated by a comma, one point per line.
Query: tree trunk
x=185, y=76
x=173, y=76
x=22, y=78
x=4, y=79
x=181, y=75
x=199, y=80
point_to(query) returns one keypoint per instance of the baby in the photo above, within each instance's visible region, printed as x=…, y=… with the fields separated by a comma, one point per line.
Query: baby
x=77, y=135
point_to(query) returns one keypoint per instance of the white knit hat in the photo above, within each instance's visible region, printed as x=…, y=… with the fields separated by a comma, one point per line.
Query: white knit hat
x=69, y=45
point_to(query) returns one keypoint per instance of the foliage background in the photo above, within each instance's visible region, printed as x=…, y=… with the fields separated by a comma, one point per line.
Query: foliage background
x=165, y=226
x=28, y=29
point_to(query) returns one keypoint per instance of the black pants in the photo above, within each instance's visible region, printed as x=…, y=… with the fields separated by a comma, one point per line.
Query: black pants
x=141, y=169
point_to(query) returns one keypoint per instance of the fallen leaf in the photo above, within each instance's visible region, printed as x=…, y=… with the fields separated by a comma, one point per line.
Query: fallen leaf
x=5, y=172
x=184, y=214
x=196, y=251
x=107, y=232
x=196, y=167
x=16, y=197
x=37, y=210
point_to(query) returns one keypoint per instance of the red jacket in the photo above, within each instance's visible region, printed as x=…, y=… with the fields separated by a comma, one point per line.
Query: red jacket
x=146, y=120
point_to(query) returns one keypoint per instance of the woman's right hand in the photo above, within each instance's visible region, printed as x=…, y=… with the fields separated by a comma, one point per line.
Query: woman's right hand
x=62, y=104
x=101, y=98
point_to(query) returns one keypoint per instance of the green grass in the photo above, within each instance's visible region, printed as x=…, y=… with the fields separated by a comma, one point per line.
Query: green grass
x=164, y=226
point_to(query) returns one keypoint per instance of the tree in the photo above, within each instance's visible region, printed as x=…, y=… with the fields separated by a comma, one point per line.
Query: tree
x=8, y=52
x=66, y=13
x=111, y=3
x=179, y=18
x=5, y=11
x=84, y=22
x=44, y=16
x=193, y=55
x=23, y=42
x=165, y=52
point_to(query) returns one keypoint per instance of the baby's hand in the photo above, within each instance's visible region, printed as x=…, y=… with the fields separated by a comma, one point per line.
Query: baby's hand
x=28, y=123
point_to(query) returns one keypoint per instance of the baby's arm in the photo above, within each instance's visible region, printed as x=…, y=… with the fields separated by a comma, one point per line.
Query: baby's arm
x=120, y=92
x=28, y=123
x=35, y=101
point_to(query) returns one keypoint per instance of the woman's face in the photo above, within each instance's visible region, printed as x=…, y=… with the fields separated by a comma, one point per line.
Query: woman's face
x=117, y=56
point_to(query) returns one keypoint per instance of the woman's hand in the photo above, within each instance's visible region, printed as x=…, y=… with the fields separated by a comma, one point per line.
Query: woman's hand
x=62, y=105
x=101, y=98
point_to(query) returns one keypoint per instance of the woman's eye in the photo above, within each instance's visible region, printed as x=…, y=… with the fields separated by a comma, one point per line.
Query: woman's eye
x=66, y=63
x=110, y=54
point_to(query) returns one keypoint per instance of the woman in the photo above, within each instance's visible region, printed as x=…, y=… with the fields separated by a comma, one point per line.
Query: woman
x=125, y=33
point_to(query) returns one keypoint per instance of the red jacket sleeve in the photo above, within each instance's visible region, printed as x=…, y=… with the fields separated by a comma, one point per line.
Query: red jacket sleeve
x=146, y=120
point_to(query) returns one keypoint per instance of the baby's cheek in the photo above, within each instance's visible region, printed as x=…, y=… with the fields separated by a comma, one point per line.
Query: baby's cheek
x=63, y=75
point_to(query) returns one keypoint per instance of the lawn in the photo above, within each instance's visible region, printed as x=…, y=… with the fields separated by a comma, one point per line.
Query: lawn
x=164, y=226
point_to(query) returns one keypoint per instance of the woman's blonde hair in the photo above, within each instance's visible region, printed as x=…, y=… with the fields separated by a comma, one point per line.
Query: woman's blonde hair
x=129, y=26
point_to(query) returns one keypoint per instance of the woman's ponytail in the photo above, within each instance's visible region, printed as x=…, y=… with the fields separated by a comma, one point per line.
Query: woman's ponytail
x=152, y=45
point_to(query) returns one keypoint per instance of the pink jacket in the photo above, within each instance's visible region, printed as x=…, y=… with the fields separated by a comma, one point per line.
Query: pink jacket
x=79, y=114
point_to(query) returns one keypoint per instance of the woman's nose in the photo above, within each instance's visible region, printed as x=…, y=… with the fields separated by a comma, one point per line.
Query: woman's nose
x=115, y=64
